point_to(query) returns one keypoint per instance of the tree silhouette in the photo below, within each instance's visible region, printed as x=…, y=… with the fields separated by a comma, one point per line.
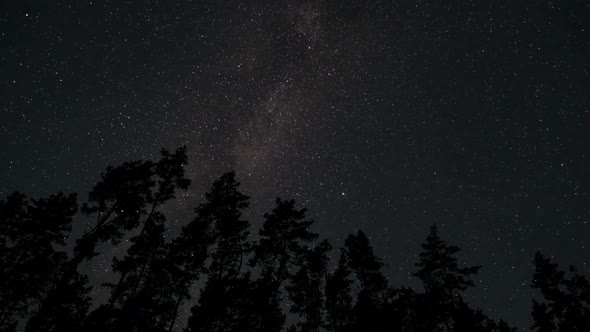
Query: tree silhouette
x=223, y=211
x=119, y=200
x=185, y=261
x=141, y=296
x=168, y=175
x=128, y=192
x=30, y=232
x=444, y=281
x=402, y=310
x=284, y=238
x=283, y=243
x=566, y=305
x=42, y=289
x=306, y=289
x=267, y=299
x=137, y=263
x=467, y=319
x=338, y=297
x=366, y=266
x=65, y=308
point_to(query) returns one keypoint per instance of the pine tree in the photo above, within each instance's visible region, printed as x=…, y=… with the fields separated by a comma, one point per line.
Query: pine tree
x=135, y=265
x=338, y=297
x=444, y=281
x=467, y=319
x=566, y=305
x=167, y=176
x=401, y=310
x=543, y=321
x=306, y=289
x=267, y=301
x=30, y=234
x=119, y=201
x=144, y=293
x=64, y=308
x=223, y=210
x=372, y=289
x=133, y=305
x=284, y=239
x=185, y=262
x=128, y=192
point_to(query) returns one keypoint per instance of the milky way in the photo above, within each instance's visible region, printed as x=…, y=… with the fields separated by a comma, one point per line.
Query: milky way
x=376, y=115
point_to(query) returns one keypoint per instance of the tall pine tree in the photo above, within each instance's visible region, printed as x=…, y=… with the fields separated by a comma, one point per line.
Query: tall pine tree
x=223, y=211
x=339, y=298
x=306, y=289
x=372, y=284
x=443, y=279
x=126, y=196
x=284, y=240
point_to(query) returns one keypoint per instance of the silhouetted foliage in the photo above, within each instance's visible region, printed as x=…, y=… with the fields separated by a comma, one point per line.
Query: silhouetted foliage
x=444, y=281
x=64, y=308
x=185, y=261
x=223, y=211
x=282, y=248
x=265, y=303
x=124, y=195
x=287, y=278
x=128, y=192
x=372, y=285
x=338, y=297
x=284, y=239
x=30, y=233
x=566, y=305
x=306, y=289
x=466, y=319
x=402, y=310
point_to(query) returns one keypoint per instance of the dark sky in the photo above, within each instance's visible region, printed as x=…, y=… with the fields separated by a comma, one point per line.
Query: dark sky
x=385, y=116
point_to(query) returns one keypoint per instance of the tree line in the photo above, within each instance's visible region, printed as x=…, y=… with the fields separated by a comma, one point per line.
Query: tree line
x=280, y=281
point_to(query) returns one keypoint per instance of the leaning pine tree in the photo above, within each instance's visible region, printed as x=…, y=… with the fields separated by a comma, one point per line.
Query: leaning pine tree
x=127, y=196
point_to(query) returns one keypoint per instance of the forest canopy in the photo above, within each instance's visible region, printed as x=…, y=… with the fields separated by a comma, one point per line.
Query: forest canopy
x=279, y=280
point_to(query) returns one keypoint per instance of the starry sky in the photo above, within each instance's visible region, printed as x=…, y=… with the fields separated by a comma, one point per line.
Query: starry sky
x=385, y=116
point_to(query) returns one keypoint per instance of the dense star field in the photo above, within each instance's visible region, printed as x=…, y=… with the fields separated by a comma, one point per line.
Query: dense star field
x=385, y=116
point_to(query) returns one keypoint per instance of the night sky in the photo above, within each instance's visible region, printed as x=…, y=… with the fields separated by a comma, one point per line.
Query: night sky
x=385, y=116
